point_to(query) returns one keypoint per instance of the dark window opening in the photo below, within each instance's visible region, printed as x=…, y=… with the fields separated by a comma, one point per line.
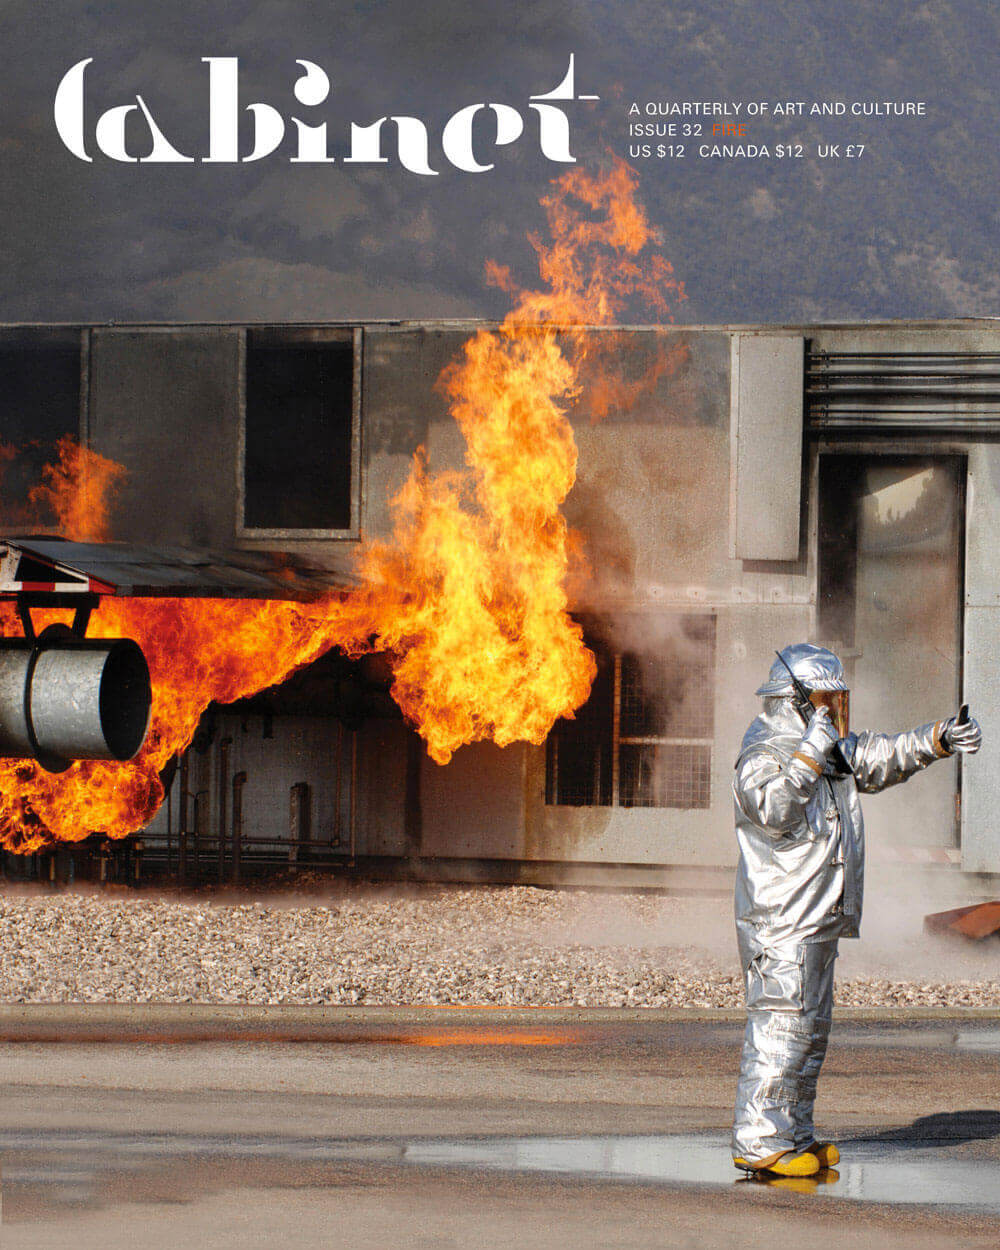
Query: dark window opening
x=39, y=404
x=889, y=548
x=890, y=602
x=841, y=481
x=298, y=434
x=644, y=737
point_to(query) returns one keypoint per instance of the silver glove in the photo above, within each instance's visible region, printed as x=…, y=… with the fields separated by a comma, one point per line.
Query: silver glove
x=966, y=737
x=820, y=733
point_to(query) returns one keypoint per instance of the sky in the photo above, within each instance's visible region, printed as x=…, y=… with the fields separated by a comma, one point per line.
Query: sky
x=909, y=229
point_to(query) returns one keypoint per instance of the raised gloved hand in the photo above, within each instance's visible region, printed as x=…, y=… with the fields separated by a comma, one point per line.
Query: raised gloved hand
x=964, y=736
x=820, y=733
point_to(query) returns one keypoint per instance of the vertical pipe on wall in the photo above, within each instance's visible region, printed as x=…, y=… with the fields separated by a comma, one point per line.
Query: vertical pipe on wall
x=201, y=802
x=354, y=792
x=182, y=820
x=616, y=726
x=170, y=824
x=239, y=781
x=338, y=792
x=299, y=822
x=224, y=746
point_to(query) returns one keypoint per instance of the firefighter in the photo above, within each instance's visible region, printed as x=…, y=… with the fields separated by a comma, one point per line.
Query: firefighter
x=799, y=887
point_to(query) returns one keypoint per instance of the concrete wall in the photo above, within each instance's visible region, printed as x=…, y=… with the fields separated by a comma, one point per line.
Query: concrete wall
x=766, y=453
x=981, y=775
x=165, y=404
x=276, y=753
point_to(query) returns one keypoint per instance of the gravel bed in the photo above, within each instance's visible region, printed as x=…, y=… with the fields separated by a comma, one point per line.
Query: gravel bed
x=512, y=945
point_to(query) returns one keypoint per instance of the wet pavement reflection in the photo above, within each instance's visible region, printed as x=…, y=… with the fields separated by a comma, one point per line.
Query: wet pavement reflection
x=870, y=1171
x=938, y=1038
x=43, y=1172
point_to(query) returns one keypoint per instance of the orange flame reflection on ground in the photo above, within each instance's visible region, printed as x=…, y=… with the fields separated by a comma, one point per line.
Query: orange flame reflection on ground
x=468, y=597
x=486, y=1037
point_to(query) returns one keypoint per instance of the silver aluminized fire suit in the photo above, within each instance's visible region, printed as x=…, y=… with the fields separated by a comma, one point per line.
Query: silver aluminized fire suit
x=799, y=887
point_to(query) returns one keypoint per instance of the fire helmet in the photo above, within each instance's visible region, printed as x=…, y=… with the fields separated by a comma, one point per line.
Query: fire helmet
x=815, y=667
x=820, y=672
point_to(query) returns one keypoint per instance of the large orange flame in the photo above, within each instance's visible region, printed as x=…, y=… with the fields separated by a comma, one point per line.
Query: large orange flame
x=484, y=644
x=468, y=598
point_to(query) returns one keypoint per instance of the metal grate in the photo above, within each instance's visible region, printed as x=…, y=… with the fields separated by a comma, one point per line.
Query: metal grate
x=928, y=390
x=644, y=737
x=666, y=776
x=578, y=755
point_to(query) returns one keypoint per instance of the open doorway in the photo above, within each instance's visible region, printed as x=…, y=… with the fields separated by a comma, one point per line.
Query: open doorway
x=891, y=554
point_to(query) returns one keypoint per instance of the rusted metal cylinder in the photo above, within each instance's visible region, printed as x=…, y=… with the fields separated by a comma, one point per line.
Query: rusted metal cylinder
x=64, y=698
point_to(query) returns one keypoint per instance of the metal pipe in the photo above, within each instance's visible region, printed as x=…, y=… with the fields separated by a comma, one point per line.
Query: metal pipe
x=277, y=840
x=339, y=785
x=224, y=746
x=299, y=824
x=616, y=724
x=64, y=698
x=182, y=820
x=170, y=823
x=185, y=794
x=201, y=798
x=239, y=781
x=354, y=792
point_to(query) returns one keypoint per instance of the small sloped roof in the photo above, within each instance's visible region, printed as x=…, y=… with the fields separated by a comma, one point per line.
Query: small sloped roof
x=46, y=564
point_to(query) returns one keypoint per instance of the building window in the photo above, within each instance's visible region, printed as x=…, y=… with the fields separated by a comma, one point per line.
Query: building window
x=299, y=454
x=40, y=385
x=644, y=737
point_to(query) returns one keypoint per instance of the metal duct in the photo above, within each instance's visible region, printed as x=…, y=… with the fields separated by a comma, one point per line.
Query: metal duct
x=64, y=698
x=923, y=390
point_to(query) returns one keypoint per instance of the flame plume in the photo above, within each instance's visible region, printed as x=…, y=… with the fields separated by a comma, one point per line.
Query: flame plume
x=468, y=597
x=484, y=646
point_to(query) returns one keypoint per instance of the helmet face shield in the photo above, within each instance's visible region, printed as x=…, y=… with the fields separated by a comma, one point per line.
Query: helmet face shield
x=837, y=703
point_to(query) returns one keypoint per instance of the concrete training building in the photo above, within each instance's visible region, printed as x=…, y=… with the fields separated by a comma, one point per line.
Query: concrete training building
x=749, y=486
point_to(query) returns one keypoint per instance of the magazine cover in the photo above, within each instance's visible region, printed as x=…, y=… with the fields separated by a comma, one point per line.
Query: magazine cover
x=488, y=496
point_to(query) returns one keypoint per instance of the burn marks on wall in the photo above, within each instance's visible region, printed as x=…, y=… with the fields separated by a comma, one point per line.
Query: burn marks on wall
x=644, y=737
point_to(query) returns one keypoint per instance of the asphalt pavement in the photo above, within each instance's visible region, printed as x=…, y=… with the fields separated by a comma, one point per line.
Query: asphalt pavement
x=439, y=1128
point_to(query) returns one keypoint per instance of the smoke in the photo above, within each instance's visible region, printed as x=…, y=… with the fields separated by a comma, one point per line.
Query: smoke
x=696, y=932
x=894, y=945
x=666, y=929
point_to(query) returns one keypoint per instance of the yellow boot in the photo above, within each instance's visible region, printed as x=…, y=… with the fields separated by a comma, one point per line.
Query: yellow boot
x=782, y=1163
x=826, y=1152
